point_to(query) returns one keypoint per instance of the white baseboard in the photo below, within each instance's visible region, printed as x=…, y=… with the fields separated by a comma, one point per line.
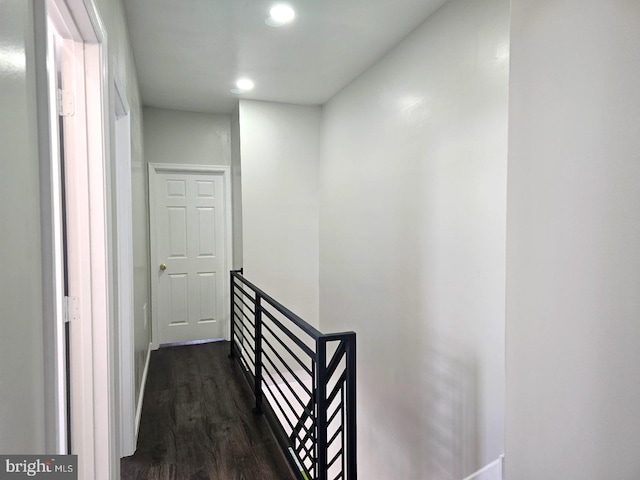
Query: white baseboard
x=143, y=383
x=492, y=471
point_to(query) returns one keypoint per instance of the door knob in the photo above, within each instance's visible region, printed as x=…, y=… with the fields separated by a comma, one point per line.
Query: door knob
x=163, y=266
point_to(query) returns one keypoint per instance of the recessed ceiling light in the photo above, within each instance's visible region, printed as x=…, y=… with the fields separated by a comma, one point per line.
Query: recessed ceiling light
x=245, y=84
x=242, y=86
x=281, y=14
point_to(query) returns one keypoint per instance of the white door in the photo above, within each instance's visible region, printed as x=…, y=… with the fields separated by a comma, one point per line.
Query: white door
x=190, y=269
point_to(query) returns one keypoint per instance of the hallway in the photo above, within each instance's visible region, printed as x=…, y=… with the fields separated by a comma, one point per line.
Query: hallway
x=197, y=422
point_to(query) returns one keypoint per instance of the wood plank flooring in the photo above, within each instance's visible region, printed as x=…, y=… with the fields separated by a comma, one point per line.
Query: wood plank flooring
x=197, y=422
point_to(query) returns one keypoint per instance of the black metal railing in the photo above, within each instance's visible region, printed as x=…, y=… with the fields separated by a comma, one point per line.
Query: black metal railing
x=304, y=382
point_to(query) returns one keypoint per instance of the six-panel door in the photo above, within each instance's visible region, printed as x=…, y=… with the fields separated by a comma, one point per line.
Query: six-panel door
x=191, y=256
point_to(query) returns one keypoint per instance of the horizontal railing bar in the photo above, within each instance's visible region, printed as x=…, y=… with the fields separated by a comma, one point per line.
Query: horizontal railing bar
x=295, y=376
x=299, y=360
x=266, y=385
x=310, y=449
x=242, y=308
x=247, y=357
x=290, y=334
x=338, y=432
x=243, y=321
x=240, y=326
x=302, y=422
x=333, y=460
x=243, y=349
x=282, y=438
x=338, y=386
x=307, y=454
x=244, y=316
x=240, y=337
x=308, y=429
x=336, y=359
x=240, y=330
x=243, y=313
x=333, y=415
x=249, y=333
x=334, y=337
x=311, y=407
x=244, y=353
x=245, y=332
x=246, y=294
x=246, y=365
x=248, y=375
x=304, y=326
x=241, y=293
x=243, y=327
x=242, y=346
x=308, y=435
x=300, y=402
x=307, y=461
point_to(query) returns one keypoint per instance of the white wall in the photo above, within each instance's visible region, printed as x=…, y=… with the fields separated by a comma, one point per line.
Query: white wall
x=236, y=177
x=412, y=243
x=280, y=151
x=21, y=305
x=178, y=137
x=573, y=264
x=21, y=342
x=173, y=136
x=122, y=63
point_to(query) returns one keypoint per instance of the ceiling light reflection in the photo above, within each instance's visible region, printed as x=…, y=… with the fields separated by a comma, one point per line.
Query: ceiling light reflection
x=281, y=14
x=243, y=85
x=12, y=59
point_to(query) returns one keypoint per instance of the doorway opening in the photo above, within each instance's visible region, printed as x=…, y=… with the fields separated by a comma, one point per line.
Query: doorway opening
x=71, y=76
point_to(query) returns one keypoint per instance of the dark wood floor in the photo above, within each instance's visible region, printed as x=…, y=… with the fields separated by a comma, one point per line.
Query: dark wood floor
x=197, y=422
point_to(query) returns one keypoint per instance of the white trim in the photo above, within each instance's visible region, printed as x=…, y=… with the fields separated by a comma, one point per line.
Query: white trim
x=143, y=385
x=124, y=258
x=92, y=354
x=47, y=22
x=122, y=102
x=88, y=21
x=225, y=170
x=103, y=353
x=492, y=471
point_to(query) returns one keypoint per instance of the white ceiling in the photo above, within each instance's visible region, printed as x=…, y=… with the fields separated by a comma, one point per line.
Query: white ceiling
x=189, y=53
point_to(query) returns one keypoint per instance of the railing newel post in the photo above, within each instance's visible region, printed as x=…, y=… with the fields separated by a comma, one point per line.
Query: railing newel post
x=258, y=355
x=351, y=427
x=231, y=315
x=321, y=402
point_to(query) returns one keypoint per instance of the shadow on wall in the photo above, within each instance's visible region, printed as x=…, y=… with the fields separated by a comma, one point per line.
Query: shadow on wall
x=430, y=429
x=449, y=396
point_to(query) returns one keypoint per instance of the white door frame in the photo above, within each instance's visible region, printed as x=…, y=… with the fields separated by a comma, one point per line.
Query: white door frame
x=93, y=391
x=154, y=170
x=55, y=374
x=124, y=255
